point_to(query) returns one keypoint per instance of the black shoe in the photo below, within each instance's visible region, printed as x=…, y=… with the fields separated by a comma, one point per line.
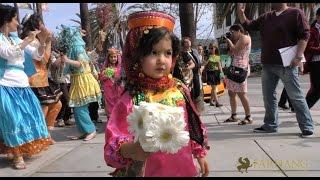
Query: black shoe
x=261, y=130
x=307, y=134
x=284, y=107
x=218, y=104
x=292, y=110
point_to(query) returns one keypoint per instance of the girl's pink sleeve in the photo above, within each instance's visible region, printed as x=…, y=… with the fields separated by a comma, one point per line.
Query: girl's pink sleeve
x=197, y=149
x=102, y=77
x=116, y=133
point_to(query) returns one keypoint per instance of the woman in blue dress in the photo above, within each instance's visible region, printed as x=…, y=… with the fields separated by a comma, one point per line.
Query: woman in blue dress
x=23, y=130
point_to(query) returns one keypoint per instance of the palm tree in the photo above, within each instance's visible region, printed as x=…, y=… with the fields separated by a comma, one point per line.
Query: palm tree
x=186, y=14
x=18, y=17
x=84, y=14
x=39, y=10
x=263, y=7
x=222, y=10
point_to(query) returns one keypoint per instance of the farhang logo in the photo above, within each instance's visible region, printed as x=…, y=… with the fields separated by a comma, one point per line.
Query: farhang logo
x=244, y=164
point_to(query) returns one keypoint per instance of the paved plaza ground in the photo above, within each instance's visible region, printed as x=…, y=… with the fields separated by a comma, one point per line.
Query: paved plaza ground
x=275, y=154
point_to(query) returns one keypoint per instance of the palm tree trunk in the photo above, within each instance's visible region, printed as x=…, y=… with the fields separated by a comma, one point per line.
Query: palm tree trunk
x=18, y=17
x=222, y=11
x=263, y=8
x=34, y=7
x=187, y=22
x=251, y=9
x=312, y=12
x=84, y=15
x=39, y=10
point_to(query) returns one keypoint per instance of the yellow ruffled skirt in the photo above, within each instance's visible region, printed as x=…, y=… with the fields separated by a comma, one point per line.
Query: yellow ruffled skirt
x=84, y=90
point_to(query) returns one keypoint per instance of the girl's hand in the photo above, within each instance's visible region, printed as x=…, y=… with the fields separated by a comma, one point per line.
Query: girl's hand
x=64, y=58
x=32, y=35
x=204, y=166
x=139, y=153
x=133, y=151
x=241, y=8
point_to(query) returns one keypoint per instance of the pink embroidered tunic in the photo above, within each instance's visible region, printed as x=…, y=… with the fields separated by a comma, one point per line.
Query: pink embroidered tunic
x=112, y=90
x=182, y=163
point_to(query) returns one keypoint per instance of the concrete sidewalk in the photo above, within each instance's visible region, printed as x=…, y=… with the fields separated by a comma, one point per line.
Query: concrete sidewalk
x=276, y=154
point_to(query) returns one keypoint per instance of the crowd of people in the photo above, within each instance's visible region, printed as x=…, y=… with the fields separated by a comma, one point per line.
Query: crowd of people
x=46, y=79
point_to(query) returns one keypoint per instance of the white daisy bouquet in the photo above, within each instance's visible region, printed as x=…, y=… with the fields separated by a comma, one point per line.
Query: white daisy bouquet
x=158, y=127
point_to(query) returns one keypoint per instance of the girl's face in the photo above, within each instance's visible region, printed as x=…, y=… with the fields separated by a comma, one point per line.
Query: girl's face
x=13, y=24
x=113, y=58
x=158, y=63
x=212, y=50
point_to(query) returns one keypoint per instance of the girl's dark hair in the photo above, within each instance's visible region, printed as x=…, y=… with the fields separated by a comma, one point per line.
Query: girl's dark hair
x=147, y=41
x=31, y=24
x=6, y=13
x=237, y=27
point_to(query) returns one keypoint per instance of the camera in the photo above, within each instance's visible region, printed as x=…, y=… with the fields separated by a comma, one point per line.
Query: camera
x=227, y=35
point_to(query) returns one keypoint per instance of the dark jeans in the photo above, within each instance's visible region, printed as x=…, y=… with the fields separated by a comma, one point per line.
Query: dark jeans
x=93, y=111
x=65, y=111
x=313, y=94
x=271, y=74
x=283, y=99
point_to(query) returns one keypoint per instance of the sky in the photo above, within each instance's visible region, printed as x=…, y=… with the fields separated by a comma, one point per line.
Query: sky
x=58, y=13
x=61, y=13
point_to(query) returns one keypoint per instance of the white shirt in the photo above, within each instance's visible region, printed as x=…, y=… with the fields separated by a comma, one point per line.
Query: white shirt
x=15, y=56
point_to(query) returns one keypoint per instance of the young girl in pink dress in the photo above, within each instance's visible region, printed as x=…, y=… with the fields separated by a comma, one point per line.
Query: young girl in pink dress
x=149, y=56
x=110, y=80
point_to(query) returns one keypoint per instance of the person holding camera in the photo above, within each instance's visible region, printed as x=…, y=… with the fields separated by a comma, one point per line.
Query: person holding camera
x=240, y=58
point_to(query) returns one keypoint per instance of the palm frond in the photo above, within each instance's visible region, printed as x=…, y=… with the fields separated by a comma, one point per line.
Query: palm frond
x=77, y=21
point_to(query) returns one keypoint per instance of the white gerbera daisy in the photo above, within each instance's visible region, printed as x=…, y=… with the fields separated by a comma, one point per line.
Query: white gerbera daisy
x=136, y=122
x=155, y=108
x=158, y=127
x=167, y=134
